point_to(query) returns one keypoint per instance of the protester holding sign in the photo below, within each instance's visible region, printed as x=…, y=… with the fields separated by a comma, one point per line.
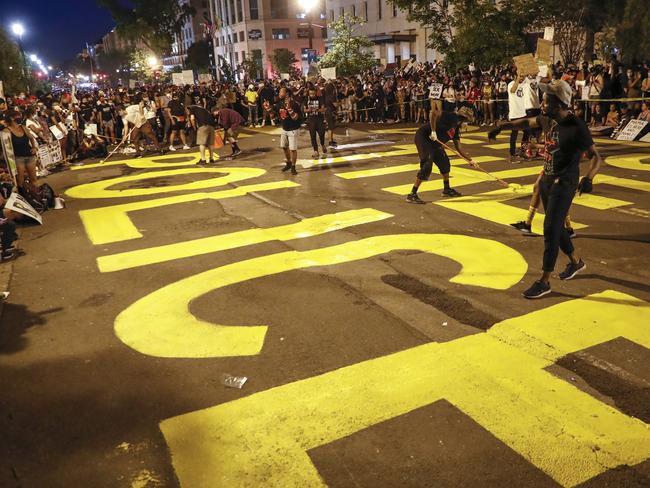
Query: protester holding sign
x=25, y=148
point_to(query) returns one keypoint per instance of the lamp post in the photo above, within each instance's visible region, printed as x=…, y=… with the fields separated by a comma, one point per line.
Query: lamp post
x=19, y=30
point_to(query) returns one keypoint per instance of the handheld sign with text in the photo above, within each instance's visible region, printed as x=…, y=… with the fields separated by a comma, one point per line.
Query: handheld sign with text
x=631, y=130
x=526, y=64
x=544, y=50
x=18, y=204
x=435, y=91
x=328, y=73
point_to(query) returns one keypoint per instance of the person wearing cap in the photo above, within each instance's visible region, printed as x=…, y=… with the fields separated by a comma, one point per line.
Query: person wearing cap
x=567, y=138
x=429, y=139
x=251, y=97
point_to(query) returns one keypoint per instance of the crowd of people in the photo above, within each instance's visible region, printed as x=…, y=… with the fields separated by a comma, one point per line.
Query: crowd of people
x=88, y=123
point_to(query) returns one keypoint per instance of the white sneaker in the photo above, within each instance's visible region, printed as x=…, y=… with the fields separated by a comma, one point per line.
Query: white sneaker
x=273, y=123
x=172, y=148
x=186, y=146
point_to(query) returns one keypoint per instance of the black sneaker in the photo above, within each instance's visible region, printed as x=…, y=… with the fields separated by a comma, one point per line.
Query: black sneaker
x=572, y=233
x=538, y=290
x=333, y=143
x=293, y=170
x=523, y=227
x=414, y=198
x=212, y=161
x=450, y=192
x=201, y=162
x=287, y=166
x=237, y=152
x=572, y=269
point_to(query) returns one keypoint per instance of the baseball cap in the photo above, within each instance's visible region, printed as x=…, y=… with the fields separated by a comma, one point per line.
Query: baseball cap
x=560, y=89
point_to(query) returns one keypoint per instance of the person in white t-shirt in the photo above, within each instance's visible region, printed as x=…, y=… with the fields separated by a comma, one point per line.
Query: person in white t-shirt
x=516, y=110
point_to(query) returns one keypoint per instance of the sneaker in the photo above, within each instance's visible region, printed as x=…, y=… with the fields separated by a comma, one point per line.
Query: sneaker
x=272, y=124
x=186, y=146
x=172, y=148
x=514, y=159
x=538, y=290
x=236, y=152
x=450, y=192
x=201, y=162
x=324, y=150
x=315, y=155
x=212, y=161
x=414, y=198
x=293, y=170
x=287, y=166
x=572, y=233
x=523, y=227
x=333, y=143
x=572, y=269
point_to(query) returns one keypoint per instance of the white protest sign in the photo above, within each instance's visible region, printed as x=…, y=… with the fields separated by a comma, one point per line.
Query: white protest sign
x=328, y=73
x=91, y=129
x=285, y=76
x=8, y=152
x=549, y=33
x=631, y=130
x=50, y=154
x=205, y=78
x=177, y=79
x=435, y=91
x=58, y=133
x=132, y=83
x=18, y=204
x=188, y=77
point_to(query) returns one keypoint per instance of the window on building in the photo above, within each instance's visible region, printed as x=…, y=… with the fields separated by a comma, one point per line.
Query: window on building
x=365, y=11
x=280, y=34
x=394, y=10
x=279, y=9
x=354, y=10
x=379, y=6
x=231, y=12
x=323, y=32
x=341, y=11
x=241, y=36
x=236, y=57
x=303, y=32
x=253, y=7
x=332, y=15
x=445, y=4
x=240, y=10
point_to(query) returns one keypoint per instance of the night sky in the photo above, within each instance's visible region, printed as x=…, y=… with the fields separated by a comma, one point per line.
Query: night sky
x=57, y=30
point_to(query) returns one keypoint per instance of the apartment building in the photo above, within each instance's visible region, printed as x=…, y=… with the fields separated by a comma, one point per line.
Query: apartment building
x=192, y=31
x=256, y=27
x=395, y=38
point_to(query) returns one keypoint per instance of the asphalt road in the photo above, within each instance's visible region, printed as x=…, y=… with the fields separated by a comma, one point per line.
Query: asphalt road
x=385, y=344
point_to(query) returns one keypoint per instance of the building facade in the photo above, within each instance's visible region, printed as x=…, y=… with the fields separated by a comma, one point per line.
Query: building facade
x=192, y=31
x=256, y=27
x=395, y=38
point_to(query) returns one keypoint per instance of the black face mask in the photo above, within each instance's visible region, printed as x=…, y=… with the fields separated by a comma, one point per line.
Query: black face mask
x=18, y=120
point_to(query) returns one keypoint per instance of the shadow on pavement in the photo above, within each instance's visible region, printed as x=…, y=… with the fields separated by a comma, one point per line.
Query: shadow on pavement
x=16, y=320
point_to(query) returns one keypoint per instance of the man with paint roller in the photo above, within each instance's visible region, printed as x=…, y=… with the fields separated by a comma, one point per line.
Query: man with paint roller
x=430, y=141
x=567, y=137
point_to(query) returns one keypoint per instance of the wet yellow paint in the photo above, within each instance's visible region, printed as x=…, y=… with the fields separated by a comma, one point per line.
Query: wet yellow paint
x=630, y=161
x=158, y=161
x=623, y=182
x=401, y=151
x=112, y=224
x=306, y=228
x=403, y=168
x=497, y=378
x=503, y=145
x=161, y=324
x=100, y=189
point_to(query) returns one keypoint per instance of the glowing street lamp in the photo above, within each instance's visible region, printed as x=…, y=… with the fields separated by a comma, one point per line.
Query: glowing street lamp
x=33, y=57
x=152, y=61
x=18, y=29
x=307, y=6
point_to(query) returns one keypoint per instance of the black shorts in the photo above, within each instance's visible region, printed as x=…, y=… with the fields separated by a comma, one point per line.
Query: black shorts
x=178, y=125
x=330, y=118
x=431, y=153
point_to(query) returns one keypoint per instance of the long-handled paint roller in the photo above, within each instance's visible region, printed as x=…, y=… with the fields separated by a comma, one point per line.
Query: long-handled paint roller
x=124, y=139
x=504, y=183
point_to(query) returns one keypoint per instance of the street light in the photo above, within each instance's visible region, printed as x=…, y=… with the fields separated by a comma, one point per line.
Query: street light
x=33, y=57
x=152, y=61
x=308, y=6
x=18, y=29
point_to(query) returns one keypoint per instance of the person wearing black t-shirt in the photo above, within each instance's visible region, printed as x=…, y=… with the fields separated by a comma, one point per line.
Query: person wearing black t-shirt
x=290, y=117
x=567, y=138
x=204, y=125
x=176, y=111
x=442, y=128
x=314, y=110
x=106, y=118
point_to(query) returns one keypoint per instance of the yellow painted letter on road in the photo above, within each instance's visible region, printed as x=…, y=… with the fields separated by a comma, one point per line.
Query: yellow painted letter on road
x=299, y=230
x=161, y=324
x=112, y=224
x=497, y=378
x=99, y=189
x=150, y=162
x=630, y=161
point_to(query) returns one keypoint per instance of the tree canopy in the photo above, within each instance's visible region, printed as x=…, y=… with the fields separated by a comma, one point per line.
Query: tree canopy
x=11, y=66
x=350, y=51
x=284, y=60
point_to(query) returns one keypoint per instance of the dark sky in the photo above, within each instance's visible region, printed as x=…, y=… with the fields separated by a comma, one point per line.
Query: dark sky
x=57, y=30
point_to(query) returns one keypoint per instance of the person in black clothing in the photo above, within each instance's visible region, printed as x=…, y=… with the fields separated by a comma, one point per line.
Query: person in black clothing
x=567, y=138
x=106, y=118
x=291, y=119
x=176, y=111
x=442, y=127
x=314, y=110
x=330, y=101
x=267, y=99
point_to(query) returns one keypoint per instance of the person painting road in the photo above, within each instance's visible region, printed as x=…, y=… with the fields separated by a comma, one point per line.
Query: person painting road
x=203, y=122
x=567, y=137
x=443, y=127
x=230, y=121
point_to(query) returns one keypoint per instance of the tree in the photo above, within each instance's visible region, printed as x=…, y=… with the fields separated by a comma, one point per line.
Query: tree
x=11, y=67
x=153, y=22
x=198, y=56
x=113, y=61
x=633, y=31
x=284, y=60
x=467, y=31
x=139, y=65
x=350, y=51
x=250, y=68
x=227, y=73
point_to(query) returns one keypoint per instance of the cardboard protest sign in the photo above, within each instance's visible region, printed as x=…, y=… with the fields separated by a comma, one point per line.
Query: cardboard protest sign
x=8, y=151
x=188, y=77
x=177, y=79
x=18, y=204
x=58, y=133
x=205, y=78
x=91, y=129
x=549, y=33
x=285, y=76
x=526, y=64
x=631, y=130
x=328, y=73
x=435, y=91
x=544, y=51
x=50, y=154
